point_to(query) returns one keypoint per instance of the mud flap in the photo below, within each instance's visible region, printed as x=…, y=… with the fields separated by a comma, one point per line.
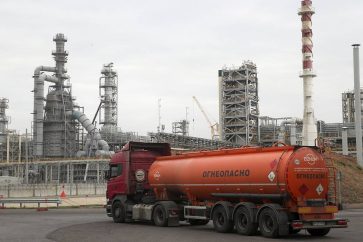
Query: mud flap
x=173, y=221
x=282, y=218
x=283, y=222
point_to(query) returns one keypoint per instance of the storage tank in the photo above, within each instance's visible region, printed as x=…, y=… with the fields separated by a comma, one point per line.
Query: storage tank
x=299, y=173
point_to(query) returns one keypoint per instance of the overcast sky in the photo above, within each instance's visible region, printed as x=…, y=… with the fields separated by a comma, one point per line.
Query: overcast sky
x=172, y=50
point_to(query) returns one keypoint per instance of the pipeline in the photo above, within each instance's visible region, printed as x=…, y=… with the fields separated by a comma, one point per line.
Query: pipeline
x=292, y=122
x=94, y=144
x=39, y=105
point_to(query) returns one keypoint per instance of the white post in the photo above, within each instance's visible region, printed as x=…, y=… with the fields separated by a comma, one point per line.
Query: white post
x=26, y=158
x=7, y=148
x=357, y=105
x=345, y=140
x=19, y=155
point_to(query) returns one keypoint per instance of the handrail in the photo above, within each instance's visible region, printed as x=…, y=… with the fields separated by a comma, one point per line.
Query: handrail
x=56, y=200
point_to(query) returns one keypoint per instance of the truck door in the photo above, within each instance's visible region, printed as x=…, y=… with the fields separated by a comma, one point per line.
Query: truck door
x=117, y=184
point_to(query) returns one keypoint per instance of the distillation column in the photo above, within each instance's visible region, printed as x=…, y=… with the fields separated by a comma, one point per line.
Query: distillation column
x=108, y=89
x=53, y=132
x=309, y=125
x=3, y=122
x=59, y=128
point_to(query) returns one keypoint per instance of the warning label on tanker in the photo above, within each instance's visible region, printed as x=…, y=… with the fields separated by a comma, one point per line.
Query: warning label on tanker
x=226, y=173
x=310, y=176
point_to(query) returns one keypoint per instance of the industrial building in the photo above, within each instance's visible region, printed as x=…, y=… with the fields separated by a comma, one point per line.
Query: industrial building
x=238, y=104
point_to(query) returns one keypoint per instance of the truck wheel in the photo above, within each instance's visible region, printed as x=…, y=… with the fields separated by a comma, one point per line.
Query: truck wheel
x=118, y=212
x=220, y=220
x=243, y=221
x=268, y=224
x=318, y=232
x=159, y=216
x=198, y=221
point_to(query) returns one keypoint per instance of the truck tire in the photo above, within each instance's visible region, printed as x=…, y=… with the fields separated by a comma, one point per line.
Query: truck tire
x=118, y=212
x=198, y=221
x=243, y=221
x=159, y=216
x=220, y=220
x=268, y=223
x=318, y=232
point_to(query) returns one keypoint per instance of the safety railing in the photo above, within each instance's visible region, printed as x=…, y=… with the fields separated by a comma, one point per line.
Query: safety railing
x=22, y=201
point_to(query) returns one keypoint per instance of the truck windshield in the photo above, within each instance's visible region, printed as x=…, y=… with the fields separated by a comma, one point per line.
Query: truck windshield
x=115, y=170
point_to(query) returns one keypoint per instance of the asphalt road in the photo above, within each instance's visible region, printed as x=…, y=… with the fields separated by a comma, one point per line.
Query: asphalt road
x=91, y=224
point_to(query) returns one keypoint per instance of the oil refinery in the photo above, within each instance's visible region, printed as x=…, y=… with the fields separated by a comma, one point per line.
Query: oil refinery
x=240, y=117
x=66, y=142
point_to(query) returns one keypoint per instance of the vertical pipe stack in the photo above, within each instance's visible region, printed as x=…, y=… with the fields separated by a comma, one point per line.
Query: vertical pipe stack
x=3, y=119
x=357, y=104
x=60, y=57
x=108, y=93
x=309, y=126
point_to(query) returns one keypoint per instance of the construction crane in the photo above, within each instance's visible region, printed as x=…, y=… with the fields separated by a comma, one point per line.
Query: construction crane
x=214, y=128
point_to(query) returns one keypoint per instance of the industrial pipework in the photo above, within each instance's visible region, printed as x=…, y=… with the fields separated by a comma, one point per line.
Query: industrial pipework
x=94, y=145
x=108, y=91
x=309, y=125
x=292, y=122
x=53, y=134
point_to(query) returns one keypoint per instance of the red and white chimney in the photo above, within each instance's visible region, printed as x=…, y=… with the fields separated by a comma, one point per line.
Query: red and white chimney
x=309, y=124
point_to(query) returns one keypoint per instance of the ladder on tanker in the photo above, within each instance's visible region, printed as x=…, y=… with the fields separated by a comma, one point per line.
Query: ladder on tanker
x=333, y=181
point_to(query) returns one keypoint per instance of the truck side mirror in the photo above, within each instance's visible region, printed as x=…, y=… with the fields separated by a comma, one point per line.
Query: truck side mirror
x=107, y=175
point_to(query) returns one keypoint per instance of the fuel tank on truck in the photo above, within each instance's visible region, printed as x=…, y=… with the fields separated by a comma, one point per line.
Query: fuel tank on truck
x=299, y=173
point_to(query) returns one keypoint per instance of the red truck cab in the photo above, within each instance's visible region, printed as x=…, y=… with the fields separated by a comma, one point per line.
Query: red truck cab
x=128, y=174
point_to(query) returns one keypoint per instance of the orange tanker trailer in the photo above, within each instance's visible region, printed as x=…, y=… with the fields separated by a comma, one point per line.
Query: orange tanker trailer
x=278, y=190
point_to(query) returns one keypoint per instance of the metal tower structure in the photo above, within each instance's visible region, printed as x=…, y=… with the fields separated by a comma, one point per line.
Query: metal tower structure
x=4, y=120
x=348, y=106
x=54, y=132
x=238, y=104
x=108, y=89
x=309, y=126
x=181, y=127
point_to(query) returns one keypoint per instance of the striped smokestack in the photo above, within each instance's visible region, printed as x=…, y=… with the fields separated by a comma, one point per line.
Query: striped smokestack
x=309, y=126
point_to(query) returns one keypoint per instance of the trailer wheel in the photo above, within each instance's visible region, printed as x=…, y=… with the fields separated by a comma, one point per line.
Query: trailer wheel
x=159, y=216
x=198, y=221
x=318, y=232
x=220, y=220
x=268, y=224
x=118, y=212
x=243, y=221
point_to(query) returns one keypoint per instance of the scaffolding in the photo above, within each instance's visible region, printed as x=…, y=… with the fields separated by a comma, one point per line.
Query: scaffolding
x=238, y=104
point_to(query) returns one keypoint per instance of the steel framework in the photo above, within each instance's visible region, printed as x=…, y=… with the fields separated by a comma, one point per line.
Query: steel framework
x=238, y=104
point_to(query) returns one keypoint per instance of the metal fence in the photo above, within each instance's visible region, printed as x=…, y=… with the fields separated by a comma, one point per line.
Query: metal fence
x=52, y=190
